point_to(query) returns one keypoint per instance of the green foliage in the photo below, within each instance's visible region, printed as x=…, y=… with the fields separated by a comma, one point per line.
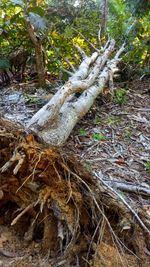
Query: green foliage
x=113, y=120
x=148, y=166
x=13, y=31
x=118, y=22
x=37, y=10
x=120, y=96
x=31, y=99
x=139, y=46
x=97, y=120
x=127, y=133
x=60, y=24
x=82, y=132
x=129, y=22
x=99, y=137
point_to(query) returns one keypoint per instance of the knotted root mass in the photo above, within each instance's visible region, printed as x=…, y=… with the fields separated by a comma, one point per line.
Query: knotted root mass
x=58, y=203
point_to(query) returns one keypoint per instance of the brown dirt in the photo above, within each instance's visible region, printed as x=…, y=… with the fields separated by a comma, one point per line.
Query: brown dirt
x=122, y=156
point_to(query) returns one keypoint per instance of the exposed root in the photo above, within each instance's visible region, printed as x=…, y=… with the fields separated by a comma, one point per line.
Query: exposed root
x=76, y=218
x=21, y=214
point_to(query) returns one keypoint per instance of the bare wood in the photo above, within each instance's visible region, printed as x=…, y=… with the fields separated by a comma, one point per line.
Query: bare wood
x=78, y=82
x=70, y=64
x=21, y=214
x=128, y=187
x=81, y=51
x=57, y=133
x=141, y=223
x=81, y=73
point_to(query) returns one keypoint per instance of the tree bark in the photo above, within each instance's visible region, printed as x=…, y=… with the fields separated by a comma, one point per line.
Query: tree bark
x=103, y=18
x=55, y=121
x=40, y=65
x=129, y=187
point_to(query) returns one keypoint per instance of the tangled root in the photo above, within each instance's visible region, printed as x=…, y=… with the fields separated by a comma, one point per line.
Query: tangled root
x=77, y=220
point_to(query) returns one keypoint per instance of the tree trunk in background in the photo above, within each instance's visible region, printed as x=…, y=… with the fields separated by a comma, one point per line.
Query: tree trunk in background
x=103, y=16
x=40, y=64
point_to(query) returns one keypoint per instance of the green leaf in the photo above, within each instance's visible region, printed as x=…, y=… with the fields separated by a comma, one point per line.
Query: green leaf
x=99, y=137
x=37, y=10
x=16, y=18
x=97, y=120
x=148, y=166
x=68, y=32
x=120, y=96
x=82, y=132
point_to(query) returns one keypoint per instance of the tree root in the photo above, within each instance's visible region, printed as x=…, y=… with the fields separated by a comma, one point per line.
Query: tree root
x=71, y=213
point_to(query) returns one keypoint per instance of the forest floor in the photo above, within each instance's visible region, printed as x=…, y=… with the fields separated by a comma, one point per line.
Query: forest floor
x=112, y=141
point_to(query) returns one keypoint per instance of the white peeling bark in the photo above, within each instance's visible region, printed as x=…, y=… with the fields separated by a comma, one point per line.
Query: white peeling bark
x=55, y=121
x=80, y=81
x=57, y=132
x=52, y=107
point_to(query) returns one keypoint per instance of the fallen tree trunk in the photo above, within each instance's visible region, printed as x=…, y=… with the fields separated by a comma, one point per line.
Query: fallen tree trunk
x=59, y=201
x=55, y=121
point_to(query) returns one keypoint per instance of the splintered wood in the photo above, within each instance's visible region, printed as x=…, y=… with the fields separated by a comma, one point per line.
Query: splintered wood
x=62, y=205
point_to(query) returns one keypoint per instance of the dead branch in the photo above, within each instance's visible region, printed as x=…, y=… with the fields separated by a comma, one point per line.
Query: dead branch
x=70, y=65
x=128, y=187
x=21, y=214
x=81, y=51
x=126, y=204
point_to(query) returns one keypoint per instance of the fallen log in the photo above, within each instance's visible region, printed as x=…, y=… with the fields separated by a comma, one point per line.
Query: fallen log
x=55, y=121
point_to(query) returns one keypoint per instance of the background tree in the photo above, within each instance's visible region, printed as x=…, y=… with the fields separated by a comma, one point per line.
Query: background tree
x=103, y=16
x=55, y=26
x=25, y=23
